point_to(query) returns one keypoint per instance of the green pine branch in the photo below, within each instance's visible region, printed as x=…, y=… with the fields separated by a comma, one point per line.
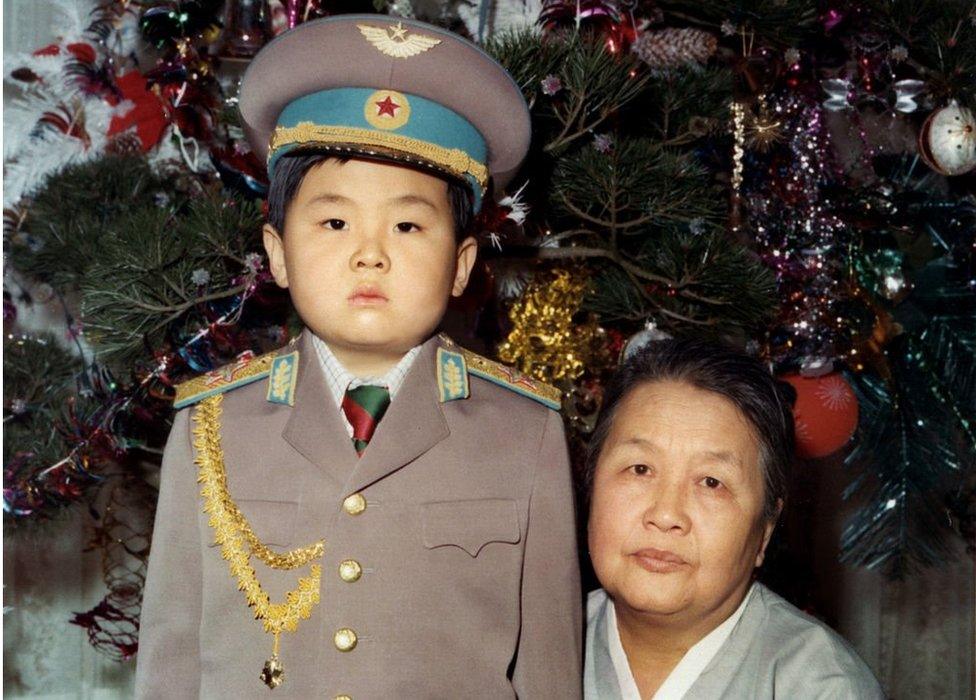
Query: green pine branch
x=595, y=84
x=69, y=218
x=774, y=22
x=146, y=282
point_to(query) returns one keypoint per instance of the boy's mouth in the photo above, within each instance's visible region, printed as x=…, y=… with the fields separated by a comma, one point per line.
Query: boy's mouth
x=367, y=295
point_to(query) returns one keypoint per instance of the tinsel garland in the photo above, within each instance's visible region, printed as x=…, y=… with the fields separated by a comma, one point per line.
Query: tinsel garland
x=547, y=341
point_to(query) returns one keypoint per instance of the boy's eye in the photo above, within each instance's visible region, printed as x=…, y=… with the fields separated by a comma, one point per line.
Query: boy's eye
x=407, y=227
x=334, y=224
x=640, y=469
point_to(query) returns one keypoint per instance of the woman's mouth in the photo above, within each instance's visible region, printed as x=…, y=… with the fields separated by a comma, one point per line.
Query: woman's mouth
x=658, y=561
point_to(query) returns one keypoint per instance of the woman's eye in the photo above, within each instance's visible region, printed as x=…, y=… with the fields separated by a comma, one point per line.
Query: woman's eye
x=406, y=227
x=711, y=482
x=640, y=469
x=334, y=224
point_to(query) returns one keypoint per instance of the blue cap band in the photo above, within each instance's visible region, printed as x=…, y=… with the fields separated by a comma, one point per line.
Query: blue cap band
x=385, y=123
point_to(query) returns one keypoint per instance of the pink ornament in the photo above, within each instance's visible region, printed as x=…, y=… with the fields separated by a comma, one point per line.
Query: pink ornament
x=298, y=11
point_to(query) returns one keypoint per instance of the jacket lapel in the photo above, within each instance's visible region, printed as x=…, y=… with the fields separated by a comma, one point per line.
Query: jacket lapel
x=413, y=424
x=314, y=427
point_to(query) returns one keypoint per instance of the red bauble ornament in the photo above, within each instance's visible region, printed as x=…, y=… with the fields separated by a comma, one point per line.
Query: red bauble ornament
x=825, y=413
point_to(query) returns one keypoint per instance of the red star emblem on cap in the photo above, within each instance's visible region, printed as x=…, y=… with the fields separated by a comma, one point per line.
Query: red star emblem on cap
x=387, y=106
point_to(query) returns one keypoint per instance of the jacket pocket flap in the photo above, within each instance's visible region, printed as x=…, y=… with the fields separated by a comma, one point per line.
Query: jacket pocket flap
x=470, y=525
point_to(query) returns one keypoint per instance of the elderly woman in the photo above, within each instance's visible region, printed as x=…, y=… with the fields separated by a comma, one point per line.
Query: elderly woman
x=685, y=479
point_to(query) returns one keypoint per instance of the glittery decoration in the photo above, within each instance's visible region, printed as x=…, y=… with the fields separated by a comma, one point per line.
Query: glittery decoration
x=603, y=143
x=551, y=84
x=200, y=277
x=765, y=128
x=738, y=153
x=800, y=238
x=545, y=342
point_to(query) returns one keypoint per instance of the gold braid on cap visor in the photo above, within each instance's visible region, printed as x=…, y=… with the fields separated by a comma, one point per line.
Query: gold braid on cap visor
x=454, y=160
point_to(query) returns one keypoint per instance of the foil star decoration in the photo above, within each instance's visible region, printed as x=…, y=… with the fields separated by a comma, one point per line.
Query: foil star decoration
x=551, y=84
x=764, y=130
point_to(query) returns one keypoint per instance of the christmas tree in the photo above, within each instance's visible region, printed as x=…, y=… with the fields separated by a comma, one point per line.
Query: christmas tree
x=794, y=179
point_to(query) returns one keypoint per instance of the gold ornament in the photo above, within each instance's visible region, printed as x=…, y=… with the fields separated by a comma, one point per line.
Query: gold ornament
x=738, y=153
x=765, y=129
x=238, y=543
x=738, y=144
x=544, y=342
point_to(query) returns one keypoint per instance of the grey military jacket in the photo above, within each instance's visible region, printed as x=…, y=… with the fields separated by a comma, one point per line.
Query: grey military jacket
x=465, y=581
x=775, y=651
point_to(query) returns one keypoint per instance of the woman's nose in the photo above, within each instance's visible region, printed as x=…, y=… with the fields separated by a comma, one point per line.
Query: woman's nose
x=667, y=510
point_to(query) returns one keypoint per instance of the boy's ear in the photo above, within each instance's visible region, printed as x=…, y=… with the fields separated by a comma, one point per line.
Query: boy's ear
x=467, y=253
x=275, y=249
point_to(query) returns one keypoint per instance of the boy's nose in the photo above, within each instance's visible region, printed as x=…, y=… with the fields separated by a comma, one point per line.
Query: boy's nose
x=370, y=255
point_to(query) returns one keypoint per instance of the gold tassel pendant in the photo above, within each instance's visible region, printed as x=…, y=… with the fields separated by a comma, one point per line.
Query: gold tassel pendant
x=273, y=673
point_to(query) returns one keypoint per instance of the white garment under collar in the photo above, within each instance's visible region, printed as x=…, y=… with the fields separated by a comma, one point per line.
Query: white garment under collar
x=682, y=676
x=339, y=379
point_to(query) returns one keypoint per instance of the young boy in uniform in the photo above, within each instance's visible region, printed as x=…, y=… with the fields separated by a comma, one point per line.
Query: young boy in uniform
x=396, y=512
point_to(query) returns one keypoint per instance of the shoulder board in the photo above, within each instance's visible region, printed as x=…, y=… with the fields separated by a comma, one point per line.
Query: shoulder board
x=512, y=379
x=245, y=370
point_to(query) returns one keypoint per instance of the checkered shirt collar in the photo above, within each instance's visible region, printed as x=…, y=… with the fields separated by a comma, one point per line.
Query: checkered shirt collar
x=340, y=379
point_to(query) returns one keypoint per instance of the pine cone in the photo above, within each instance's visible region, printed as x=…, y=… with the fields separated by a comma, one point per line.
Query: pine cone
x=674, y=47
x=125, y=143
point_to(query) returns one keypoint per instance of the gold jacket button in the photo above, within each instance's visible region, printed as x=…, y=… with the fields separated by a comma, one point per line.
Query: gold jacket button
x=344, y=639
x=355, y=504
x=350, y=570
x=343, y=697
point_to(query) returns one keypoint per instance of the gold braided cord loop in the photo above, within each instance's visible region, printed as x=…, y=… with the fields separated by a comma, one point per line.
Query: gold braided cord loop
x=237, y=540
x=454, y=160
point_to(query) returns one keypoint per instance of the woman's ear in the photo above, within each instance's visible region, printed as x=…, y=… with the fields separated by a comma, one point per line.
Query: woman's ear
x=768, y=528
x=275, y=248
x=467, y=253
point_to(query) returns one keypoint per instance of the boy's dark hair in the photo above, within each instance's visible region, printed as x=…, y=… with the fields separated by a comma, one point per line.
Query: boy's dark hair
x=743, y=380
x=290, y=171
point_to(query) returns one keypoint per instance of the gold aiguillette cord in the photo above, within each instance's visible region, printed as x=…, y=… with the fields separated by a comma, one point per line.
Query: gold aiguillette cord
x=238, y=543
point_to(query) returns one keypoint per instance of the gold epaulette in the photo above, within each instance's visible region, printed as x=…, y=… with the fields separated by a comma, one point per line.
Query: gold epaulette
x=245, y=370
x=455, y=363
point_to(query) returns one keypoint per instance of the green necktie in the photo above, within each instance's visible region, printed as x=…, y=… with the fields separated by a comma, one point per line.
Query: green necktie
x=364, y=406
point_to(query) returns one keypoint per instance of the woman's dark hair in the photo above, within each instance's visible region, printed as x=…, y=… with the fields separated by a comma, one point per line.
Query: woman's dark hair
x=290, y=171
x=743, y=380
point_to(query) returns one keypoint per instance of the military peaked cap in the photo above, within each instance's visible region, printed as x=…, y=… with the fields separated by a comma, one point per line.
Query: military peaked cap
x=388, y=88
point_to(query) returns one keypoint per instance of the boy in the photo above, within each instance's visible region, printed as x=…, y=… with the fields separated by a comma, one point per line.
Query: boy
x=397, y=512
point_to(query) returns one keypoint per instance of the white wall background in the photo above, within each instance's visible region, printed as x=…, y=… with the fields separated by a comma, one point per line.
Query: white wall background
x=46, y=577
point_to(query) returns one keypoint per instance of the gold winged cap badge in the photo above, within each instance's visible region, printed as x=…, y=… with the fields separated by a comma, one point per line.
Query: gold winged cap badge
x=393, y=41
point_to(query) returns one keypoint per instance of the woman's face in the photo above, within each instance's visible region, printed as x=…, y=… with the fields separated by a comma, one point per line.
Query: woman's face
x=676, y=525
